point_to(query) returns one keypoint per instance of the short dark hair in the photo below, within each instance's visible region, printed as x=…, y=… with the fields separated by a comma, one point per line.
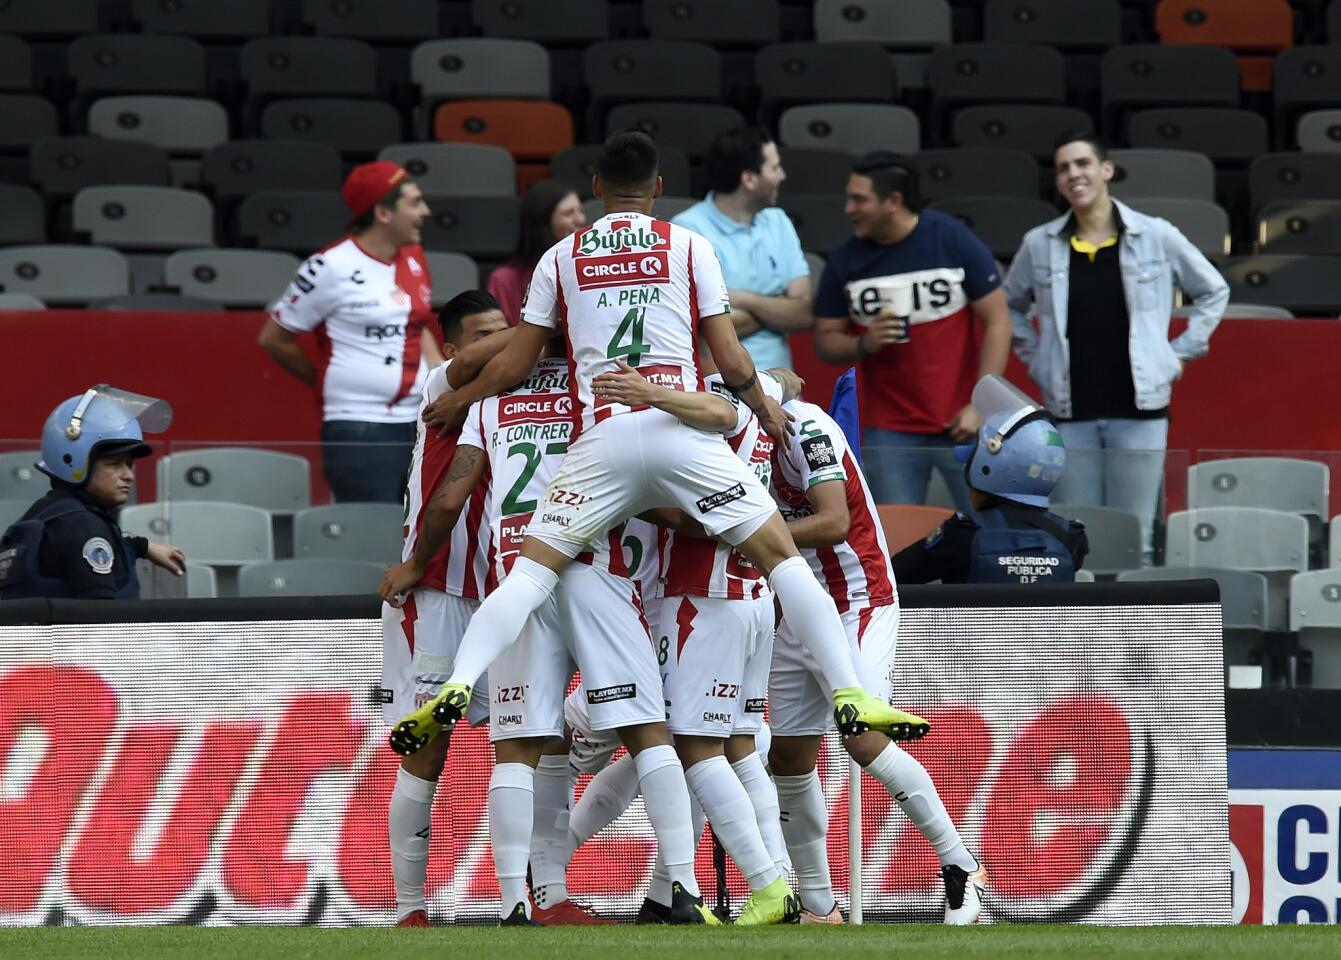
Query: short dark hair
x=464, y=304
x=1082, y=136
x=731, y=153
x=890, y=173
x=365, y=219
x=628, y=159
x=537, y=208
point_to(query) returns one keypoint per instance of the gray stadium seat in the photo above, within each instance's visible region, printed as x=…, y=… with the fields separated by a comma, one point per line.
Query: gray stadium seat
x=1225, y=135
x=307, y=67
x=688, y=126
x=1307, y=285
x=1085, y=576
x=481, y=227
x=576, y=166
x=819, y=220
x=1319, y=131
x=16, y=64
x=452, y=273
x=456, y=169
x=1300, y=226
x=965, y=171
x=816, y=264
x=176, y=125
x=982, y=73
x=1165, y=75
x=1334, y=542
x=663, y=208
x=1244, y=604
x=25, y=219
x=1315, y=612
x=792, y=73
x=19, y=477
x=1294, y=176
x=144, y=218
x=405, y=21
x=628, y=71
x=814, y=171
x=236, y=278
x=1031, y=128
x=11, y=510
x=724, y=23
x=1273, y=483
x=63, y=274
x=1001, y=222
x=1202, y=222
x=1238, y=538
x=207, y=19
x=1114, y=535
x=42, y=18
x=1162, y=173
x=854, y=128
x=1065, y=24
x=201, y=581
x=240, y=168
x=299, y=221
x=1306, y=79
x=112, y=63
x=150, y=302
x=25, y=117
x=310, y=578
x=572, y=21
x=349, y=531
x=480, y=67
x=357, y=128
x=62, y=166
x=276, y=482
x=219, y=534
x=908, y=23
x=20, y=301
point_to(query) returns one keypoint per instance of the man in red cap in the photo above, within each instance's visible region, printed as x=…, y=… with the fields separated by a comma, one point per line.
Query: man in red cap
x=367, y=296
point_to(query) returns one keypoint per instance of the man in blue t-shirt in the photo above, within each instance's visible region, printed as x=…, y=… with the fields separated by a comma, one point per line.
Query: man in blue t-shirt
x=900, y=299
x=762, y=262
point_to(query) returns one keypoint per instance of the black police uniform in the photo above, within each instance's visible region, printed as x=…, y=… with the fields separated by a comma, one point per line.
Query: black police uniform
x=69, y=546
x=1014, y=543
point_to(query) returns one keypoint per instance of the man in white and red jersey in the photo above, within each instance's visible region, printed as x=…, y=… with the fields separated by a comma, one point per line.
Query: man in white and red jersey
x=368, y=297
x=421, y=629
x=633, y=288
x=821, y=491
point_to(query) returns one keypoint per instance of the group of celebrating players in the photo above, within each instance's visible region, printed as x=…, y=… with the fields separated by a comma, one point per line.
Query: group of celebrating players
x=611, y=487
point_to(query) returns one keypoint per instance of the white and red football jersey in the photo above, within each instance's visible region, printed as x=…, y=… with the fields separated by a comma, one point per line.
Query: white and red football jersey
x=368, y=315
x=462, y=566
x=631, y=288
x=857, y=572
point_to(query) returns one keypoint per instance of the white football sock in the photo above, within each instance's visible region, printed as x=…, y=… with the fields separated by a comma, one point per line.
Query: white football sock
x=498, y=622
x=660, y=888
x=408, y=824
x=909, y=783
x=511, y=813
x=608, y=794
x=805, y=825
x=764, y=799
x=813, y=619
x=549, y=835
x=666, y=795
x=724, y=800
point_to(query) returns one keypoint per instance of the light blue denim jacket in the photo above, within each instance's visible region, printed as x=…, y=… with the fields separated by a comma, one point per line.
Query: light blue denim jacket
x=1155, y=257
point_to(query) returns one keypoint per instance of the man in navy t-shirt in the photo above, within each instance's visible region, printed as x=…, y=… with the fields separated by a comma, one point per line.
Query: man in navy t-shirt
x=900, y=299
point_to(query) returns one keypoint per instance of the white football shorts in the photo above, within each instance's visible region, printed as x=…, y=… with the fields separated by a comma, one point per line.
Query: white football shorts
x=419, y=643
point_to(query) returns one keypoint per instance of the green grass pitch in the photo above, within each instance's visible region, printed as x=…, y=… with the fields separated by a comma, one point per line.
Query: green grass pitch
x=876, y=942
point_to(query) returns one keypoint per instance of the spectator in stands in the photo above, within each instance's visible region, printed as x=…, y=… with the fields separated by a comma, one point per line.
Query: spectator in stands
x=762, y=261
x=1100, y=281
x=370, y=295
x=900, y=299
x=67, y=544
x=550, y=211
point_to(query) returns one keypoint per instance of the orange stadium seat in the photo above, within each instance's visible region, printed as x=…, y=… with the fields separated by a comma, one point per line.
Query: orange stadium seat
x=905, y=523
x=1255, y=29
x=531, y=130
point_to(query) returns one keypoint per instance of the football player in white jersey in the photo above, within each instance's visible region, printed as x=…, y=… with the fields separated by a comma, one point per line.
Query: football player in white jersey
x=638, y=289
x=822, y=493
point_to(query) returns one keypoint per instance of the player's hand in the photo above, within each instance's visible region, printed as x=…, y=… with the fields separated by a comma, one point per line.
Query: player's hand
x=446, y=413
x=170, y=558
x=884, y=330
x=792, y=384
x=625, y=385
x=399, y=580
x=777, y=422
x=964, y=427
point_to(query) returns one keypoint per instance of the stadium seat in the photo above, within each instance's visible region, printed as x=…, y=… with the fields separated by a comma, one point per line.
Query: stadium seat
x=235, y=278
x=1001, y=222
x=25, y=117
x=42, y=18
x=112, y=63
x=1244, y=604
x=688, y=126
x=16, y=64
x=1307, y=285
x=1294, y=176
x=1319, y=131
x=349, y=531
x=405, y=21
x=819, y=220
x=357, y=128
x=1225, y=135
x=476, y=67
x=631, y=71
x=176, y=125
x=19, y=477
x=1300, y=226
x=664, y=207
x=1162, y=173
x=908, y=23
x=20, y=301
x=481, y=227
x=157, y=302
x=219, y=534
x=1315, y=613
x=277, y=67
x=726, y=23
x=299, y=221
x=204, y=19
x=460, y=169
x=1260, y=28
x=1306, y=79
x=1154, y=75
x=11, y=510
x=240, y=168
x=577, y=165
x=1085, y=576
x=572, y=21
x=1032, y=128
x=144, y=218
x=530, y=130
x=25, y=219
x=992, y=73
x=452, y=273
x=1201, y=221
x=792, y=73
x=62, y=166
x=276, y=482
x=1064, y=24
x=201, y=581
x=965, y=171
x=816, y=264
x=905, y=523
x=1114, y=535
x=64, y=275
x=854, y=128
x=310, y=578
x=1238, y=538
x=1274, y=483
x=814, y=171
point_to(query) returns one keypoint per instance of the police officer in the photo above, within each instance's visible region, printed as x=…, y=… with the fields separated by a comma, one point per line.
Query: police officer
x=1011, y=470
x=68, y=544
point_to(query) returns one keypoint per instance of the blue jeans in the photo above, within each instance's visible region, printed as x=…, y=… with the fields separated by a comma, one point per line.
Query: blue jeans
x=366, y=462
x=898, y=466
x=1118, y=464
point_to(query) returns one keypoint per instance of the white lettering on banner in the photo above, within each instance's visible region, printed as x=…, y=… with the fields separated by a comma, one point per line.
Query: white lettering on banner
x=936, y=294
x=238, y=772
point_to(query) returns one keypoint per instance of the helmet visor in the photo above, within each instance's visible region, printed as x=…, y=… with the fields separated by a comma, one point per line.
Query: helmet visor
x=993, y=395
x=155, y=415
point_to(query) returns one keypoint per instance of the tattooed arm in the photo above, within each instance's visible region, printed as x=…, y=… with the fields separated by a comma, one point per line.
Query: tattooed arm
x=440, y=516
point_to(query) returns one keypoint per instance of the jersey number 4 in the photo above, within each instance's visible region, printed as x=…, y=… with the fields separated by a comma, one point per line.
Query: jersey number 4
x=632, y=328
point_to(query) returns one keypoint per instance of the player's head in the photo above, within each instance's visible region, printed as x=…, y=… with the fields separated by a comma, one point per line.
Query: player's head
x=1081, y=169
x=1019, y=454
x=383, y=199
x=91, y=440
x=745, y=162
x=626, y=172
x=469, y=316
x=881, y=192
x=550, y=211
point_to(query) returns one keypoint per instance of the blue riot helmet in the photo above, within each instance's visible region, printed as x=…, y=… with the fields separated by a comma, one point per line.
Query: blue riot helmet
x=1019, y=454
x=102, y=421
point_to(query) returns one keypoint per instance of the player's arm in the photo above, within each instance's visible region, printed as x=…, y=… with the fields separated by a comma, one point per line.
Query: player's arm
x=701, y=408
x=440, y=516
x=787, y=313
x=504, y=371
x=791, y=382
x=282, y=345
x=738, y=373
x=830, y=522
x=472, y=358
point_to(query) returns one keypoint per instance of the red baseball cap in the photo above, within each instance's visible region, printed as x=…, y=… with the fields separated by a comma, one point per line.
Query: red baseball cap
x=368, y=183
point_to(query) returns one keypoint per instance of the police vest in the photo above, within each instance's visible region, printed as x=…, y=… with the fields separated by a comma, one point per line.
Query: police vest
x=21, y=575
x=1021, y=548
